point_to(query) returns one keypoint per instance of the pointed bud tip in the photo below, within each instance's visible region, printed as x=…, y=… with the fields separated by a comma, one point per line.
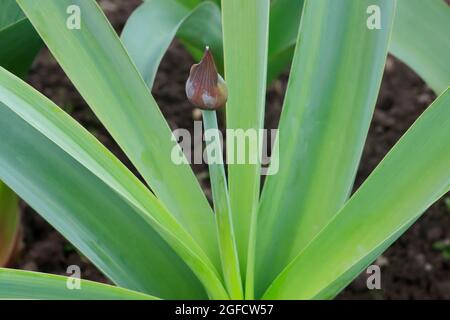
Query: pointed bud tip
x=208, y=58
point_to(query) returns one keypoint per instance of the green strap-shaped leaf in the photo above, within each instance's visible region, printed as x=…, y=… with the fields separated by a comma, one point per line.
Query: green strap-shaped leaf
x=19, y=42
x=153, y=25
x=97, y=63
x=332, y=90
x=17, y=284
x=9, y=223
x=221, y=200
x=283, y=29
x=10, y=14
x=413, y=175
x=61, y=129
x=204, y=28
x=187, y=3
x=421, y=39
x=92, y=216
x=245, y=29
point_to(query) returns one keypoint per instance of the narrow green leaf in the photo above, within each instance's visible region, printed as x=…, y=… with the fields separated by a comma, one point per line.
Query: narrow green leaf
x=9, y=223
x=149, y=32
x=218, y=2
x=10, y=14
x=201, y=27
x=100, y=68
x=284, y=16
x=222, y=208
x=413, y=175
x=19, y=42
x=17, y=284
x=245, y=29
x=420, y=39
x=152, y=27
x=103, y=226
x=204, y=28
x=58, y=127
x=332, y=90
x=187, y=3
x=283, y=30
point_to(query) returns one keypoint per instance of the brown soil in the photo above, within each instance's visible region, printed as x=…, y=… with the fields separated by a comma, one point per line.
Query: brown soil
x=411, y=269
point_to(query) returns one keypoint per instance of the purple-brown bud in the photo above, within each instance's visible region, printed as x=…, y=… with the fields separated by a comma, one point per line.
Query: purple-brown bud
x=205, y=88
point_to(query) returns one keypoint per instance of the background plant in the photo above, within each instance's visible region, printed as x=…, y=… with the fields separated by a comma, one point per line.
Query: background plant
x=165, y=244
x=419, y=36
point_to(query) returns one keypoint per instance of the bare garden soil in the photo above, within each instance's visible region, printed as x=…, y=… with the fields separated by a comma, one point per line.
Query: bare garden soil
x=411, y=268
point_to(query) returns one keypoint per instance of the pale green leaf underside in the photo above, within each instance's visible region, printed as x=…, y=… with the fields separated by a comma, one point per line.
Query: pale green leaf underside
x=17, y=284
x=332, y=90
x=100, y=68
x=413, y=175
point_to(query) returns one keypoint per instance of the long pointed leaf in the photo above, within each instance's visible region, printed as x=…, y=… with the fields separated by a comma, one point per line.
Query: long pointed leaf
x=221, y=200
x=100, y=68
x=153, y=25
x=204, y=28
x=332, y=90
x=245, y=29
x=420, y=39
x=19, y=42
x=284, y=21
x=414, y=174
x=92, y=216
x=57, y=126
x=17, y=284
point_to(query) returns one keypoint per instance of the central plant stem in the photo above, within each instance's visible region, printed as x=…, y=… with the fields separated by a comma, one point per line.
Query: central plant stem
x=222, y=208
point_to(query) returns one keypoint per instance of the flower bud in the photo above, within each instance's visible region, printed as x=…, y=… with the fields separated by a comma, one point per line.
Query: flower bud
x=205, y=88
